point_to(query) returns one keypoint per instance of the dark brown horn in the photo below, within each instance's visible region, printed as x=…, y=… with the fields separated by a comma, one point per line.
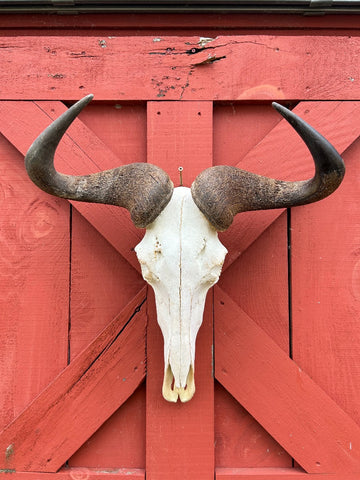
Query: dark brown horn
x=221, y=192
x=141, y=188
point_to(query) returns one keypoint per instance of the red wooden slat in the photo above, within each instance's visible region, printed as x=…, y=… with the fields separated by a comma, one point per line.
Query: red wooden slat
x=288, y=404
x=326, y=289
x=278, y=474
x=180, y=437
x=80, y=152
x=81, y=398
x=102, y=282
x=82, y=473
x=34, y=237
x=258, y=282
x=262, y=67
x=282, y=154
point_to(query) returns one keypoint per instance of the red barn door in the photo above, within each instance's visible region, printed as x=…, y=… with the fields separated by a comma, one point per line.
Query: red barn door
x=278, y=354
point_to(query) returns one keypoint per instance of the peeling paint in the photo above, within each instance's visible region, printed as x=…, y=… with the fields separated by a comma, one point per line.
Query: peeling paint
x=56, y=75
x=205, y=40
x=9, y=452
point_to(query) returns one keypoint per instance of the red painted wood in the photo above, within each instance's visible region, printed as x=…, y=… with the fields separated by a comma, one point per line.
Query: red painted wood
x=34, y=286
x=180, y=437
x=81, y=473
x=102, y=283
x=120, y=441
x=68, y=67
x=180, y=135
x=258, y=283
x=278, y=394
x=239, y=127
x=277, y=474
x=282, y=154
x=81, y=398
x=80, y=152
x=326, y=289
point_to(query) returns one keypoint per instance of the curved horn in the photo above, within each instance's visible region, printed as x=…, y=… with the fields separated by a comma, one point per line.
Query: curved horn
x=221, y=192
x=141, y=188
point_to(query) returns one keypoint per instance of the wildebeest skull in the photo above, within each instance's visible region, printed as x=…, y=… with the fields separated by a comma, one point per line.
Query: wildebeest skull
x=180, y=255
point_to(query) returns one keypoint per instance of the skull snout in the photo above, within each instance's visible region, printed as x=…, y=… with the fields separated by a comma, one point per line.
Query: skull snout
x=171, y=392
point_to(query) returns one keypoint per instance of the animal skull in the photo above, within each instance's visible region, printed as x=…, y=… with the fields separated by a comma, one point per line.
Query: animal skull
x=181, y=258
x=180, y=255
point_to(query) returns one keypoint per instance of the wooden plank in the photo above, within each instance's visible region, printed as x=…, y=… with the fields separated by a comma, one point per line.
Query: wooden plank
x=278, y=474
x=102, y=282
x=81, y=473
x=180, y=437
x=317, y=433
x=258, y=283
x=80, y=152
x=180, y=68
x=282, y=154
x=34, y=286
x=326, y=289
x=81, y=398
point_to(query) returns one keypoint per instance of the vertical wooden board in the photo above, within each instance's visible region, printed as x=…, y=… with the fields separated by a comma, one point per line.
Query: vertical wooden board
x=34, y=285
x=121, y=126
x=180, y=437
x=102, y=283
x=120, y=441
x=185, y=141
x=326, y=289
x=238, y=128
x=241, y=442
x=258, y=283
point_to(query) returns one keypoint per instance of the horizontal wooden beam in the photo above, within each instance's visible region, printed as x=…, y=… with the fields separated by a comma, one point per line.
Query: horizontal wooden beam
x=79, y=474
x=95, y=384
x=263, y=67
x=301, y=417
x=278, y=474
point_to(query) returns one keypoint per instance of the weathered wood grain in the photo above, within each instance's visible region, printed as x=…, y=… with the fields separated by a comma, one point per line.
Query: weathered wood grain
x=81, y=473
x=102, y=283
x=81, y=398
x=80, y=152
x=34, y=286
x=310, y=426
x=258, y=283
x=326, y=289
x=180, y=437
x=263, y=67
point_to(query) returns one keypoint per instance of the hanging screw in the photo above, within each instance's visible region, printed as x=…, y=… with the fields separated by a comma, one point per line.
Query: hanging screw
x=180, y=173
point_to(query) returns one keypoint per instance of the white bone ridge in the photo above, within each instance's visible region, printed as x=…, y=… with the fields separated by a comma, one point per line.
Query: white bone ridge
x=181, y=258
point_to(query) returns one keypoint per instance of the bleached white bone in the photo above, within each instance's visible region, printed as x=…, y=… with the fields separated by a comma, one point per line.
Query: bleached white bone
x=181, y=258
